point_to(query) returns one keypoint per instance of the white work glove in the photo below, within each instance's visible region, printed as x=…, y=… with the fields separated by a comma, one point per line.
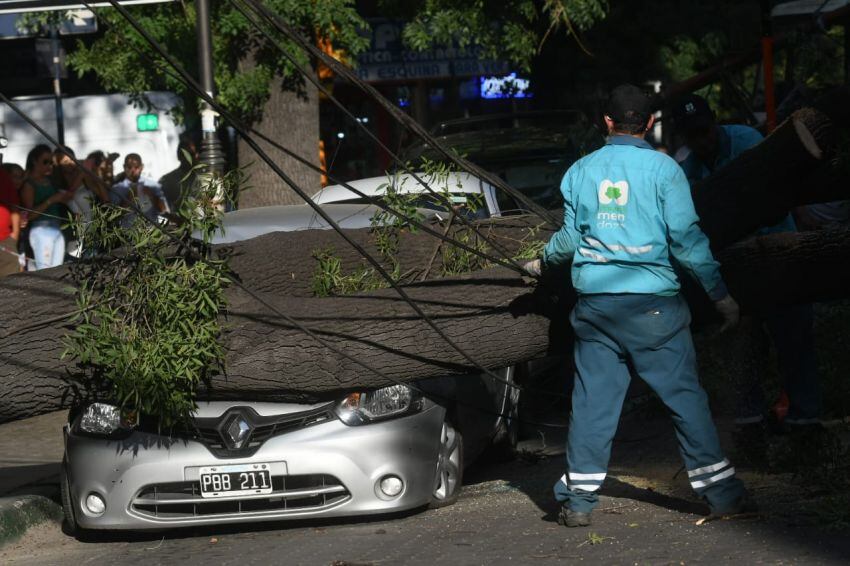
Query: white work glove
x=728, y=309
x=533, y=267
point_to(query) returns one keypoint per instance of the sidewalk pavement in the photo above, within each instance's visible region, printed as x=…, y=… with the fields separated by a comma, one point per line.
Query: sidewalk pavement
x=30, y=459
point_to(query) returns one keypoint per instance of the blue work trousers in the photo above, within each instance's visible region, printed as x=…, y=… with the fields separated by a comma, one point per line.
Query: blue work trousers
x=650, y=333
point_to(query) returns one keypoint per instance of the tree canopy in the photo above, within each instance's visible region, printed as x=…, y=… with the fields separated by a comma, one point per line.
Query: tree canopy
x=121, y=59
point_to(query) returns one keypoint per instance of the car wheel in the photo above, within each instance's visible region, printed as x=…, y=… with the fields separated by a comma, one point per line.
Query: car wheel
x=449, y=476
x=71, y=526
x=506, y=437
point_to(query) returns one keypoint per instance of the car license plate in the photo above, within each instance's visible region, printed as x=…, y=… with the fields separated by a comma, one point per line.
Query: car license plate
x=229, y=481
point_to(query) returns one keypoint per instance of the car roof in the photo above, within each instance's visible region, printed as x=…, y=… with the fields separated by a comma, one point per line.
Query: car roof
x=249, y=223
x=537, y=118
x=405, y=184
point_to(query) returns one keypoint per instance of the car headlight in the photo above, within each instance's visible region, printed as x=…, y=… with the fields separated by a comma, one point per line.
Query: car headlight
x=106, y=420
x=393, y=401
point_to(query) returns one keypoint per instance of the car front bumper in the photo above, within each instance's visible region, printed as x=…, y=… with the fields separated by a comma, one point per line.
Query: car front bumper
x=327, y=470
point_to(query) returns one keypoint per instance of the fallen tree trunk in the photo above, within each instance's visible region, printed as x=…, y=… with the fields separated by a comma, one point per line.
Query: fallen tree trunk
x=486, y=313
x=493, y=313
x=759, y=187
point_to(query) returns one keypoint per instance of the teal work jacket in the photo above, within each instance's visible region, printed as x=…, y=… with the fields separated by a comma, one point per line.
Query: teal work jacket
x=627, y=210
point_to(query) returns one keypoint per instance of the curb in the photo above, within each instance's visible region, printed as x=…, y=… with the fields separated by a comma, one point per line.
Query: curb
x=17, y=514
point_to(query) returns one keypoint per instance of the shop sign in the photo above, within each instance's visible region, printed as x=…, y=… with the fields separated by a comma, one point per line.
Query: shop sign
x=388, y=59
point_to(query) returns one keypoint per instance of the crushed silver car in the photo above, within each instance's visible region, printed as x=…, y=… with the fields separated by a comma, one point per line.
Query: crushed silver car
x=393, y=449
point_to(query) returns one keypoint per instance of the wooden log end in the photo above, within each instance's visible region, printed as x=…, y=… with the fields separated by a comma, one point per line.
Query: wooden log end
x=815, y=131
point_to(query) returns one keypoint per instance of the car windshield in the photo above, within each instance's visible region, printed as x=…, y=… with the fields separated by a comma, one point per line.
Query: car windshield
x=532, y=160
x=471, y=204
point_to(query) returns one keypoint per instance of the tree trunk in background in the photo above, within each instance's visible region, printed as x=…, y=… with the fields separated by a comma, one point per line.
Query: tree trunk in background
x=292, y=120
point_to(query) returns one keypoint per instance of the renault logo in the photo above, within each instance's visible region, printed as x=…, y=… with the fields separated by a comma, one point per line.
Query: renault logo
x=236, y=432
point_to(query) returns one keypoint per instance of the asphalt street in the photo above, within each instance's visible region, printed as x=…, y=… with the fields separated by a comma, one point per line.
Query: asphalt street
x=505, y=515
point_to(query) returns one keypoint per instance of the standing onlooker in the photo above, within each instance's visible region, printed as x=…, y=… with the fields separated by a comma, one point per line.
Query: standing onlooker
x=45, y=204
x=87, y=189
x=136, y=192
x=710, y=147
x=102, y=164
x=176, y=184
x=18, y=176
x=10, y=225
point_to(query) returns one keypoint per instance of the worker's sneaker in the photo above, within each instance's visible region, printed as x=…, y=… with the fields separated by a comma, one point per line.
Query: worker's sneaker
x=744, y=505
x=570, y=518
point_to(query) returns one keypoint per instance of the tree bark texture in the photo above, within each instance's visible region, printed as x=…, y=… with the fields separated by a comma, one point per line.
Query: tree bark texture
x=292, y=119
x=496, y=316
x=761, y=185
x=492, y=314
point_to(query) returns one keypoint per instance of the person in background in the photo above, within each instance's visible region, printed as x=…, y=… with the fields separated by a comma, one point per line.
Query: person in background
x=18, y=176
x=709, y=147
x=136, y=192
x=10, y=225
x=102, y=164
x=46, y=206
x=627, y=214
x=175, y=184
x=87, y=190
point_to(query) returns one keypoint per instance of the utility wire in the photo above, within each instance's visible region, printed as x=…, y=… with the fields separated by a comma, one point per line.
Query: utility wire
x=409, y=123
x=243, y=131
x=511, y=263
x=310, y=76
x=372, y=199
x=261, y=300
x=252, y=293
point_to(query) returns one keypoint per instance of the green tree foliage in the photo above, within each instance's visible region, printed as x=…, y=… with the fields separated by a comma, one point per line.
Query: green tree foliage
x=505, y=29
x=245, y=63
x=146, y=332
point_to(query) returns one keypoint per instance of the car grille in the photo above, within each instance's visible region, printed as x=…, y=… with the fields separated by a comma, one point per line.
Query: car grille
x=290, y=494
x=208, y=430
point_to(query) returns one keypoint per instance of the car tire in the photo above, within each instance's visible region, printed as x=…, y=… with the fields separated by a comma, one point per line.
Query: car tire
x=503, y=448
x=70, y=525
x=449, y=474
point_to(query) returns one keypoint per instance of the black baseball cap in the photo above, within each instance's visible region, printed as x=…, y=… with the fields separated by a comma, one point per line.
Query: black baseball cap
x=692, y=113
x=628, y=104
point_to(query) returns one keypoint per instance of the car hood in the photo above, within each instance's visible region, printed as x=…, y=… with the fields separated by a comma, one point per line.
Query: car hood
x=252, y=222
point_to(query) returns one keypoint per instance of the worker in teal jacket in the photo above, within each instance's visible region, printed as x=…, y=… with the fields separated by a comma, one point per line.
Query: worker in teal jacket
x=709, y=147
x=627, y=212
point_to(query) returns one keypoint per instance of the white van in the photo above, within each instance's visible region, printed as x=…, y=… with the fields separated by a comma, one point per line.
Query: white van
x=107, y=122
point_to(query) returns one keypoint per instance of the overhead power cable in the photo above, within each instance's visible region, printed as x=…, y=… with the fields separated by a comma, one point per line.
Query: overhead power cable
x=372, y=199
x=261, y=300
x=412, y=125
x=243, y=131
x=311, y=77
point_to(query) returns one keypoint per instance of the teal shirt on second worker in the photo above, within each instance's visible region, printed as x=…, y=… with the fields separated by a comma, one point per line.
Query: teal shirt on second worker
x=627, y=210
x=733, y=140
